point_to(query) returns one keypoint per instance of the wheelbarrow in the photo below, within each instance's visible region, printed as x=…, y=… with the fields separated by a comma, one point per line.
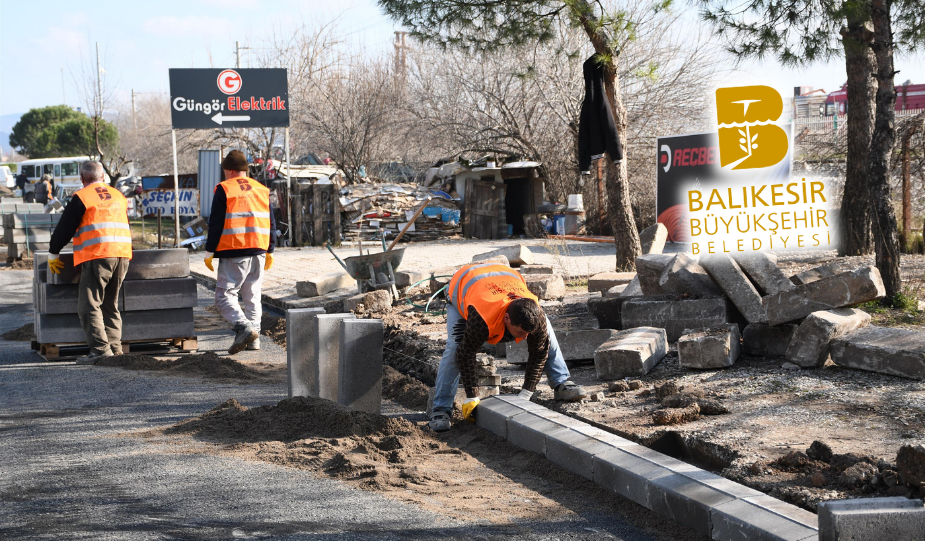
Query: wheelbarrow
x=373, y=271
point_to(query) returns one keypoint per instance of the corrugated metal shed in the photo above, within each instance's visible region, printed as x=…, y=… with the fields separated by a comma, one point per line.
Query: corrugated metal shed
x=210, y=175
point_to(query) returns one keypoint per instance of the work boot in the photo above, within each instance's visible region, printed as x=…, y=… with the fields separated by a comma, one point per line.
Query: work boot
x=254, y=346
x=569, y=391
x=244, y=334
x=92, y=358
x=440, y=421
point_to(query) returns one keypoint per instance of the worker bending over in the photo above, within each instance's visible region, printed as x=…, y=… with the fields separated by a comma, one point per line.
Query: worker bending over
x=242, y=234
x=98, y=215
x=490, y=302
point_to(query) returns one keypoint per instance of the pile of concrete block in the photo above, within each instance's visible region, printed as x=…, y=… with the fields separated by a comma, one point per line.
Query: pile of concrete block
x=27, y=230
x=704, y=304
x=156, y=301
x=336, y=357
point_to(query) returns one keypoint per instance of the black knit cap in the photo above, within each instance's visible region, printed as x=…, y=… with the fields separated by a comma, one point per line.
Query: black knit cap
x=235, y=161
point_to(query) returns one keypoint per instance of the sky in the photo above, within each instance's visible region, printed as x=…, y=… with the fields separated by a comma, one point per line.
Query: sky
x=139, y=41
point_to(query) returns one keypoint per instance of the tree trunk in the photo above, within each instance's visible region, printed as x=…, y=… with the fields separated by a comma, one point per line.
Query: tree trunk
x=907, y=191
x=856, y=215
x=886, y=239
x=625, y=234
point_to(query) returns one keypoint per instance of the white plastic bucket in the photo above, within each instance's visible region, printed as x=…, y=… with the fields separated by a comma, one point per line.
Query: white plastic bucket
x=576, y=202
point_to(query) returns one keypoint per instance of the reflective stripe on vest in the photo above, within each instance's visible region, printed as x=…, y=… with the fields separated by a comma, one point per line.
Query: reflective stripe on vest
x=247, y=215
x=103, y=230
x=489, y=288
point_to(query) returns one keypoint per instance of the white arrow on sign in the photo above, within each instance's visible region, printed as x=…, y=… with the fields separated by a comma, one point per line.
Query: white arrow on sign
x=219, y=119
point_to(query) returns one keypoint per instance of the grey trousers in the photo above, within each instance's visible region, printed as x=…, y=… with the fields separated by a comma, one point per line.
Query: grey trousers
x=242, y=275
x=98, y=303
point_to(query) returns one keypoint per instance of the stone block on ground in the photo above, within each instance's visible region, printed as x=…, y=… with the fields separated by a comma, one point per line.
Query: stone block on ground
x=300, y=349
x=575, y=345
x=608, y=311
x=684, y=276
x=633, y=352
x=159, y=294
x=810, y=344
x=653, y=238
x=736, y=285
x=845, y=289
x=898, y=352
x=606, y=280
x=871, y=519
x=762, y=269
x=762, y=518
x=323, y=284
x=377, y=301
x=147, y=325
x=910, y=464
x=578, y=322
x=158, y=264
x=407, y=278
x=536, y=269
x=633, y=289
x=545, y=286
x=320, y=367
x=765, y=341
x=649, y=269
x=673, y=314
x=615, y=291
x=818, y=273
x=715, y=347
x=360, y=377
x=516, y=255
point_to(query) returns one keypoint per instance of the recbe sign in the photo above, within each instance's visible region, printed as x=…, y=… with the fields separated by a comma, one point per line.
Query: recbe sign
x=229, y=98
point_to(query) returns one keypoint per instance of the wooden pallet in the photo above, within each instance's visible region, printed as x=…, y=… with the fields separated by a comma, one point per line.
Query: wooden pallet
x=72, y=350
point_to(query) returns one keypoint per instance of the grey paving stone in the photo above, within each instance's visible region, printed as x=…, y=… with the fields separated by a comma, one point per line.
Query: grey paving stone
x=360, y=377
x=56, y=299
x=323, y=283
x=744, y=520
x=516, y=255
x=608, y=311
x=809, y=347
x=606, y=280
x=685, y=500
x=575, y=345
x=674, y=315
x=159, y=294
x=715, y=347
x=300, y=350
x=633, y=352
x=492, y=414
x=409, y=278
x=545, y=286
x=898, y=352
x=845, y=289
x=157, y=264
x=149, y=325
x=323, y=364
x=684, y=276
x=762, y=268
x=736, y=285
x=574, y=451
x=649, y=269
x=529, y=431
x=626, y=474
x=764, y=340
x=872, y=519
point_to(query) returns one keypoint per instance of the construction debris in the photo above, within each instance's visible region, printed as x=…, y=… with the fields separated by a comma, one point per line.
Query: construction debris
x=545, y=286
x=367, y=208
x=516, y=255
x=716, y=347
x=810, y=344
x=630, y=353
x=606, y=280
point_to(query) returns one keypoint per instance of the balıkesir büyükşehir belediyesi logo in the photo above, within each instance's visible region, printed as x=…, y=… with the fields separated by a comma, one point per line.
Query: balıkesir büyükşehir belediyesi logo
x=748, y=139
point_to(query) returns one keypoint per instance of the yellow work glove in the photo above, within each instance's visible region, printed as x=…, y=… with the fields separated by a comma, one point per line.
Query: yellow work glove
x=468, y=408
x=54, y=264
x=208, y=261
x=269, y=264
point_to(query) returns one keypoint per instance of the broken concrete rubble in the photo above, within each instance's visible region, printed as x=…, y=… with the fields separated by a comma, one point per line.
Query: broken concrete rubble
x=898, y=352
x=649, y=269
x=633, y=289
x=715, y=347
x=575, y=345
x=517, y=255
x=684, y=276
x=818, y=273
x=632, y=352
x=673, y=314
x=536, y=269
x=615, y=291
x=379, y=300
x=607, y=311
x=653, y=238
x=323, y=284
x=606, y=280
x=845, y=289
x=736, y=285
x=810, y=344
x=763, y=340
x=545, y=286
x=762, y=268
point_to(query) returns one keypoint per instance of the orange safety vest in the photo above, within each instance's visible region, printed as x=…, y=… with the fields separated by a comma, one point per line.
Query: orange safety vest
x=103, y=230
x=490, y=288
x=247, y=215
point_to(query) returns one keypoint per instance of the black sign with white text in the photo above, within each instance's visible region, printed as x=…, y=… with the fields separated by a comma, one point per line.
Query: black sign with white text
x=229, y=98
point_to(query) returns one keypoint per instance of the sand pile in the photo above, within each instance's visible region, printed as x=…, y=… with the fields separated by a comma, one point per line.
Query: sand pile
x=275, y=328
x=403, y=389
x=18, y=264
x=26, y=333
x=206, y=364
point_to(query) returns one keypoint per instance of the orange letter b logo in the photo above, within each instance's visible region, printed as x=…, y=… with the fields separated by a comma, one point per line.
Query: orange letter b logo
x=747, y=139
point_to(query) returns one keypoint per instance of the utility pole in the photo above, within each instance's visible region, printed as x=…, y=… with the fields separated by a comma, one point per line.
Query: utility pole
x=237, y=54
x=99, y=80
x=63, y=95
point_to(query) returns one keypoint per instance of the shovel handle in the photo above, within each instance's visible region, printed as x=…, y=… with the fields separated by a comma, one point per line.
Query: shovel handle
x=409, y=224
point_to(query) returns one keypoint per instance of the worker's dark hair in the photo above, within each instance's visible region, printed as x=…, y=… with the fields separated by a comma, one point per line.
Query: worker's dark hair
x=526, y=314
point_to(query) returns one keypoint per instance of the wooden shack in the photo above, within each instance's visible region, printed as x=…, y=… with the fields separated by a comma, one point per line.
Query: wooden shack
x=497, y=197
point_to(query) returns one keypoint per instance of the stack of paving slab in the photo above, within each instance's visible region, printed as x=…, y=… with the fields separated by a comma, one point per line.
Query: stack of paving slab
x=26, y=229
x=156, y=301
x=336, y=357
x=706, y=304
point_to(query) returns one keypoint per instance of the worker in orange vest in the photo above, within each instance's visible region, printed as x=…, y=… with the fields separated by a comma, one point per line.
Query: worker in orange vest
x=97, y=219
x=242, y=235
x=490, y=302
